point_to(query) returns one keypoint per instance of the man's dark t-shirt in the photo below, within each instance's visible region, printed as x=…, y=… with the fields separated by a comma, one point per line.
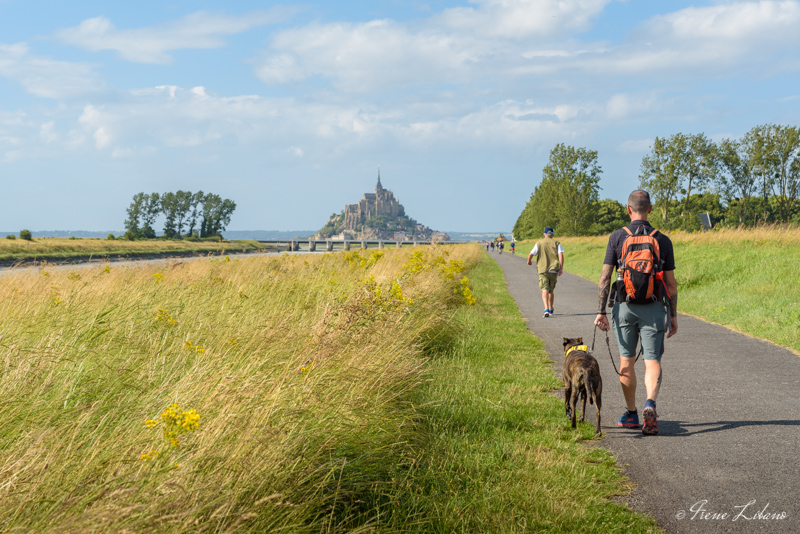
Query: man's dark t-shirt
x=614, y=249
x=615, y=241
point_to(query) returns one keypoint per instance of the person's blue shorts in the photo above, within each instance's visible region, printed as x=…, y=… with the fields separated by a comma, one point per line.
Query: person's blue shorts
x=646, y=321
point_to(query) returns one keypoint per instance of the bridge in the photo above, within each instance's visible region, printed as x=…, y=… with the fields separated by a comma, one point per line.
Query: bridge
x=330, y=245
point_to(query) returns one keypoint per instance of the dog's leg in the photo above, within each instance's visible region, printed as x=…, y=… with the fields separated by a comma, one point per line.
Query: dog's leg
x=567, y=397
x=585, y=393
x=574, y=402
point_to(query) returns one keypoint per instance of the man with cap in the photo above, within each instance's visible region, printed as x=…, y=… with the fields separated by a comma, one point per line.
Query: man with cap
x=550, y=263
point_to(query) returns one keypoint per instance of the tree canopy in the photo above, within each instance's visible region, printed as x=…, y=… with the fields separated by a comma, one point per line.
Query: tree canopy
x=181, y=209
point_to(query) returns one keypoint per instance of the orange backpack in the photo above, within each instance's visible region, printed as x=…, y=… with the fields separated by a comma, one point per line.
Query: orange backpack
x=640, y=266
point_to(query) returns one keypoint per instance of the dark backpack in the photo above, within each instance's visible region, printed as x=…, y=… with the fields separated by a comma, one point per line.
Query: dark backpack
x=639, y=267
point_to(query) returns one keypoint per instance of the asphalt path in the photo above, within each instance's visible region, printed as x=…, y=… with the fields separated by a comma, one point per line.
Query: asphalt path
x=727, y=458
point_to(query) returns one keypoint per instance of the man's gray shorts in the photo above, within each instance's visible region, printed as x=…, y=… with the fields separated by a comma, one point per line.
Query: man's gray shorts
x=631, y=320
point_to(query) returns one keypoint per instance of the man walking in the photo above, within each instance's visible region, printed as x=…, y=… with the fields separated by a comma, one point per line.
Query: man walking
x=633, y=319
x=550, y=263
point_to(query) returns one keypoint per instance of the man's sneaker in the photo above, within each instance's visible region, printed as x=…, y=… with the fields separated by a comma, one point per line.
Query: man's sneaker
x=546, y=313
x=650, y=426
x=629, y=419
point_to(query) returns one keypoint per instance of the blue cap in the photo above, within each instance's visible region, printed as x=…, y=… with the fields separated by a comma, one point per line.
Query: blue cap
x=548, y=231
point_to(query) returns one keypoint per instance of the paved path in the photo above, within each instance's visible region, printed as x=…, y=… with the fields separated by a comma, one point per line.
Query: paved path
x=729, y=414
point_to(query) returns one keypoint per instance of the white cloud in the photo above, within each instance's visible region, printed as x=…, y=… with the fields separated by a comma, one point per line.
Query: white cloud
x=48, y=78
x=756, y=37
x=520, y=19
x=201, y=30
x=364, y=57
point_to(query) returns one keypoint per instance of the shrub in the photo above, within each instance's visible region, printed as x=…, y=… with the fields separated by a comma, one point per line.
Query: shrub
x=110, y=237
x=11, y=236
x=130, y=235
x=26, y=235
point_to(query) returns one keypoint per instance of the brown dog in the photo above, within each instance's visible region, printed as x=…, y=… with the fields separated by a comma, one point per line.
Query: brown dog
x=581, y=374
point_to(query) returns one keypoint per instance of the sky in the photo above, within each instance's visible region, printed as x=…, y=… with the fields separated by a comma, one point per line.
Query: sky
x=289, y=109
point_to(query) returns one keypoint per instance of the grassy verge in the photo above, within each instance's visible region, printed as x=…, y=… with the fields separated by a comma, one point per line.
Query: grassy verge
x=327, y=393
x=501, y=456
x=300, y=369
x=743, y=279
x=56, y=248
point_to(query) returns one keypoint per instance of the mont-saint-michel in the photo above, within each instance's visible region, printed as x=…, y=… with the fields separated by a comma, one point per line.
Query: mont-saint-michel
x=377, y=215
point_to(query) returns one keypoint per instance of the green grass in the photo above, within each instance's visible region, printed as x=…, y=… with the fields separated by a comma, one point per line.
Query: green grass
x=501, y=456
x=336, y=392
x=746, y=280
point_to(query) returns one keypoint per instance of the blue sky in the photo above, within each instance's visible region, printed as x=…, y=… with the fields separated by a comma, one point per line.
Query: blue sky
x=288, y=109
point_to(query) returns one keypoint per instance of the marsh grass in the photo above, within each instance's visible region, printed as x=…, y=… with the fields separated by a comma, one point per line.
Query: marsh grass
x=304, y=371
x=64, y=248
x=746, y=279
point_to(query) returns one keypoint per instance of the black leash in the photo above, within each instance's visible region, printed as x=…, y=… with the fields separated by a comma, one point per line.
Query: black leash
x=608, y=346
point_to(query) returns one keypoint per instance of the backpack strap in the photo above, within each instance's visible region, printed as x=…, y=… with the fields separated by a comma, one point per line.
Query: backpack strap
x=627, y=230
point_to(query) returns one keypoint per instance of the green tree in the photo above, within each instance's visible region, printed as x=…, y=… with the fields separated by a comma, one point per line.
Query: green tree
x=195, y=211
x=784, y=160
x=26, y=235
x=183, y=206
x=737, y=182
x=216, y=215
x=757, y=143
x=151, y=209
x=169, y=207
x=609, y=215
x=133, y=222
x=565, y=196
x=675, y=167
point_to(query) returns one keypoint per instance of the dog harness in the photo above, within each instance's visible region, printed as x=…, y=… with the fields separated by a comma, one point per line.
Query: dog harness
x=582, y=348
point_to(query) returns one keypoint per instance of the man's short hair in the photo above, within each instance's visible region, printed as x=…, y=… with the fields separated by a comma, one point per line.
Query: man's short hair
x=639, y=201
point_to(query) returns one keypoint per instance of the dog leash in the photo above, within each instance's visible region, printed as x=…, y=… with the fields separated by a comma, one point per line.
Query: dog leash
x=608, y=346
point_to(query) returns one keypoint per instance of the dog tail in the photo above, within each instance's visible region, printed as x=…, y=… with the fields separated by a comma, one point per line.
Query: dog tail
x=588, y=384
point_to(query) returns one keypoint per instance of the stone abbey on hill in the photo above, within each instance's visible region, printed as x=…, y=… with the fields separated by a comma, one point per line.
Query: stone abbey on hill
x=377, y=215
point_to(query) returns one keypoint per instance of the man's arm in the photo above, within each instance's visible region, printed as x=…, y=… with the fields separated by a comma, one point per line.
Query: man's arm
x=561, y=263
x=672, y=288
x=603, y=289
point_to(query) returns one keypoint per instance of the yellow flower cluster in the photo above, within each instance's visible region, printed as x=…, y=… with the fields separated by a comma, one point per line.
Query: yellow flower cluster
x=199, y=349
x=55, y=296
x=391, y=296
x=174, y=423
x=164, y=316
x=354, y=258
x=465, y=290
x=159, y=277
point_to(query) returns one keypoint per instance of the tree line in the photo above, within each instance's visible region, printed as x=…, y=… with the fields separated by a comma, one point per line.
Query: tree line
x=200, y=214
x=747, y=181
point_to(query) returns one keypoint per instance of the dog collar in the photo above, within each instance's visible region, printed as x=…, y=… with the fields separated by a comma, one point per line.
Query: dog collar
x=582, y=348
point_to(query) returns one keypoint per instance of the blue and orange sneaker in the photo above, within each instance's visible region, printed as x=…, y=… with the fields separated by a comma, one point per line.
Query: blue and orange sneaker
x=629, y=419
x=650, y=426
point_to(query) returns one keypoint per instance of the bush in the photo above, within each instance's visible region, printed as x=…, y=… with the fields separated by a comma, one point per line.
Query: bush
x=26, y=235
x=130, y=235
x=11, y=236
x=110, y=237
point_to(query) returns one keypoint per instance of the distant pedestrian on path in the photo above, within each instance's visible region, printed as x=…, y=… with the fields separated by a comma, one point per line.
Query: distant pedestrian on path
x=632, y=318
x=549, y=256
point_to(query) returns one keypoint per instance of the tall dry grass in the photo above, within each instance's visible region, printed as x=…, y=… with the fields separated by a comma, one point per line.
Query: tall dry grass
x=303, y=370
